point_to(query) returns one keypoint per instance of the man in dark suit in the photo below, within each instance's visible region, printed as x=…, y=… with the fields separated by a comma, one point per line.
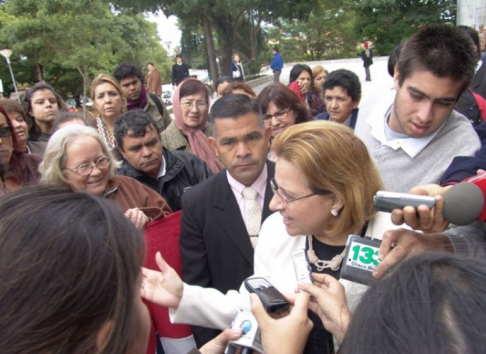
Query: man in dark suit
x=220, y=223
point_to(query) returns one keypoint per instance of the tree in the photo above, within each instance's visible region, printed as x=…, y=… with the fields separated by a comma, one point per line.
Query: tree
x=388, y=22
x=237, y=23
x=59, y=36
x=327, y=33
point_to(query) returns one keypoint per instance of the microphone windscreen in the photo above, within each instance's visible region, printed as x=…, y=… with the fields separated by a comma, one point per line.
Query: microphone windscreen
x=463, y=203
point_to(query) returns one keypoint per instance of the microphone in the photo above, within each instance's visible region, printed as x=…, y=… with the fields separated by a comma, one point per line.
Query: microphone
x=465, y=202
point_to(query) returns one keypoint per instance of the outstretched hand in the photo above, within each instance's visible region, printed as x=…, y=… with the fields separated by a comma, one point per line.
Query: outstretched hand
x=163, y=288
x=329, y=303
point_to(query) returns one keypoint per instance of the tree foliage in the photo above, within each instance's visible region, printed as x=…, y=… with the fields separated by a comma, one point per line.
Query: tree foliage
x=68, y=42
x=388, y=22
x=327, y=33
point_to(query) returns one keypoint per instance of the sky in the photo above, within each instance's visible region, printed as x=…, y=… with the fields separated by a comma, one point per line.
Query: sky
x=169, y=33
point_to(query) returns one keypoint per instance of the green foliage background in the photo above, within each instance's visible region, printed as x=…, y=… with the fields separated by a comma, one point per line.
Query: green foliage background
x=67, y=43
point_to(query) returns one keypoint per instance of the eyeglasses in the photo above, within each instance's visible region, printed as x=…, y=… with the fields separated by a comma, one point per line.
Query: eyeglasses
x=86, y=168
x=6, y=131
x=278, y=115
x=189, y=104
x=287, y=200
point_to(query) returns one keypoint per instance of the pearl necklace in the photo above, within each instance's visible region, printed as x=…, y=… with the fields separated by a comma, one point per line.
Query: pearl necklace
x=334, y=263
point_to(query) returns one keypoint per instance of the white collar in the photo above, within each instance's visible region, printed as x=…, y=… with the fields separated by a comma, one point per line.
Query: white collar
x=411, y=146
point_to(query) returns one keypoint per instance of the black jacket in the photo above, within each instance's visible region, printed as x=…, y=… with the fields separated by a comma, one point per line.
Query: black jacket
x=179, y=73
x=183, y=170
x=216, y=251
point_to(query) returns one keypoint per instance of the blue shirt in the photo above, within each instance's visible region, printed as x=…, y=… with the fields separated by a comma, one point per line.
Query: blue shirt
x=277, y=62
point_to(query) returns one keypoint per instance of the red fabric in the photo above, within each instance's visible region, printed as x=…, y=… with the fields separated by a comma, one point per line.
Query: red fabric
x=162, y=235
x=481, y=101
x=294, y=86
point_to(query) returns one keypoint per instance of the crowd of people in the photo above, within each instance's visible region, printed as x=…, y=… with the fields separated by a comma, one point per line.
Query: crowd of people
x=250, y=179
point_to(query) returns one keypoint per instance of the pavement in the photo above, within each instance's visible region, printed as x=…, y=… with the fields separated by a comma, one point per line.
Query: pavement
x=381, y=82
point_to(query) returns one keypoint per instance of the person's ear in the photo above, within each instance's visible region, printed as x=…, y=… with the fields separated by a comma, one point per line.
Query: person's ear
x=356, y=103
x=212, y=144
x=103, y=334
x=337, y=203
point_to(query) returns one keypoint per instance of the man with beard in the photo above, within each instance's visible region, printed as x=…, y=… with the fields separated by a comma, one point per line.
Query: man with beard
x=221, y=217
x=170, y=173
x=131, y=80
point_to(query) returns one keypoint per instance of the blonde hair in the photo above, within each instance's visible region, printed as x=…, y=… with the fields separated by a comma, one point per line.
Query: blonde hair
x=55, y=156
x=104, y=78
x=316, y=70
x=333, y=159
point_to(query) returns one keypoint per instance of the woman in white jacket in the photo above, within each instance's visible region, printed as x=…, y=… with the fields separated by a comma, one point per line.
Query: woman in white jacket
x=324, y=185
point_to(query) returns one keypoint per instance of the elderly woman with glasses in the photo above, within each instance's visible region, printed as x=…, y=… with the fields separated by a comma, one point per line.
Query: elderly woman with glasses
x=77, y=158
x=189, y=131
x=17, y=168
x=324, y=185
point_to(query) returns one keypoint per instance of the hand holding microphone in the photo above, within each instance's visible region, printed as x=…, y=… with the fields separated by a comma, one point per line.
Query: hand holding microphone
x=460, y=204
x=426, y=218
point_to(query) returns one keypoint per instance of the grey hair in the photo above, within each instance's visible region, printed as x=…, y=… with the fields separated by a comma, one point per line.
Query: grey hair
x=55, y=156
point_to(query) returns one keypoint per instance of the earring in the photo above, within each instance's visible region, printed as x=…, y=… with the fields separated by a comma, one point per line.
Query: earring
x=334, y=212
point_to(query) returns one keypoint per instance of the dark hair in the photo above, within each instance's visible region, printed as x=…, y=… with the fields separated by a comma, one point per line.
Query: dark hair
x=14, y=106
x=296, y=70
x=473, y=35
x=137, y=121
x=275, y=49
x=443, y=50
x=393, y=59
x=150, y=63
x=125, y=70
x=191, y=87
x=34, y=130
x=221, y=80
x=239, y=86
x=63, y=117
x=14, y=169
x=70, y=262
x=234, y=106
x=283, y=97
x=434, y=302
x=178, y=56
x=345, y=79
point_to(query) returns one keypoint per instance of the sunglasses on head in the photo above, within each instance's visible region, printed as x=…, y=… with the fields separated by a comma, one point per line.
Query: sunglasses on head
x=6, y=131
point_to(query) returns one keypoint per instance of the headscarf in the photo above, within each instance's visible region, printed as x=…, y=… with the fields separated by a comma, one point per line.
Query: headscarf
x=197, y=139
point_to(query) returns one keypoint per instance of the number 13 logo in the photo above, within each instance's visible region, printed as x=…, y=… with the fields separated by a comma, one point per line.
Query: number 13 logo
x=365, y=254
